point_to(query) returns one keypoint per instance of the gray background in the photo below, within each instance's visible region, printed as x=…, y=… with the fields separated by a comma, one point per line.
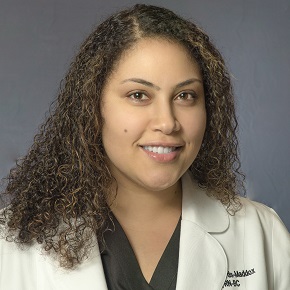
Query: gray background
x=39, y=38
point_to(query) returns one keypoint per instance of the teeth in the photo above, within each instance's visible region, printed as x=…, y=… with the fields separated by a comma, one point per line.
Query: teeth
x=159, y=149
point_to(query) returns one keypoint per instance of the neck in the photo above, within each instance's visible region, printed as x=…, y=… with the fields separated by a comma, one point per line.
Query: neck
x=133, y=206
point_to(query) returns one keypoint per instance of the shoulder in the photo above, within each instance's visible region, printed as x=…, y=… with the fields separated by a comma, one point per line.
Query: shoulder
x=256, y=210
x=251, y=207
x=12, y=253
x=12, y=256
x=265, y=235
x=9, y=249
x=29, y=263
x=258, y=213
x=259, y=219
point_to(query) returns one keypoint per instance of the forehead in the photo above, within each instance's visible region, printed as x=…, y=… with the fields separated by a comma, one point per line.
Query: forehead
x=149, y=54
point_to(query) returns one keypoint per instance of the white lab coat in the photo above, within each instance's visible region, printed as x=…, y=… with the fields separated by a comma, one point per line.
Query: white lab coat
x=250, y=250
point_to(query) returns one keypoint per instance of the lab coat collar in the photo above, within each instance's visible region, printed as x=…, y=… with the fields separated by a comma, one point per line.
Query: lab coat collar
x=202, y=261
x=201, y=209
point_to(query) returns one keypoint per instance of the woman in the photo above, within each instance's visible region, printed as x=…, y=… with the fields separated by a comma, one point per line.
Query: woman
x=132, y=181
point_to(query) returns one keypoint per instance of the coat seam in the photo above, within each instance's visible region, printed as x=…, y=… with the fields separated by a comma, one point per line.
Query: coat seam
x=272, y=250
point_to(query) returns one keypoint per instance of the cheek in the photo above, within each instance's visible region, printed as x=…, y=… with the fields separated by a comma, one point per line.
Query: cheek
x=194, y=126
x=121, y=126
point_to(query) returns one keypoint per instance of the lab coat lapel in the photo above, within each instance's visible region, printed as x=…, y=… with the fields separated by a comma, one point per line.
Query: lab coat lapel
x=202, y=260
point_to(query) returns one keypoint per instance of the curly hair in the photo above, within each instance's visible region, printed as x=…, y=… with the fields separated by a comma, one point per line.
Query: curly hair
x=59, y=188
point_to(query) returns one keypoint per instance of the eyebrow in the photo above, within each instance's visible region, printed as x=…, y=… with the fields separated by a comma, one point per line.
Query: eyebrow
x=141, y=81
x=151, y=85
x=187, y=82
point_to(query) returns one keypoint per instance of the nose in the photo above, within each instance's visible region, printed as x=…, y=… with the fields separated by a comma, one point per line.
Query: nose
x=164, y=119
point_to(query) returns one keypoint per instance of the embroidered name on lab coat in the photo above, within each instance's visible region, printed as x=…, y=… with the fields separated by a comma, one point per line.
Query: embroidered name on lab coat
x=232, y=277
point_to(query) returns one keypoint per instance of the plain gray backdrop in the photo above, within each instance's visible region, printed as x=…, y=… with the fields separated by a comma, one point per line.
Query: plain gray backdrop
x=38, y=40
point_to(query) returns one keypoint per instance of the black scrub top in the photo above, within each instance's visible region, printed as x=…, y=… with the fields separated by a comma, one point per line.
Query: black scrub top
x=121, y=267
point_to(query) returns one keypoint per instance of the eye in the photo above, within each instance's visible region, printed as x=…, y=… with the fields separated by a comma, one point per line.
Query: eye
x=138, y=97
x=186, y=96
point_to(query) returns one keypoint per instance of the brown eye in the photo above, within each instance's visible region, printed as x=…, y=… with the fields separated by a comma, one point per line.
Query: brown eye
x=186, y=96
x=138, y=97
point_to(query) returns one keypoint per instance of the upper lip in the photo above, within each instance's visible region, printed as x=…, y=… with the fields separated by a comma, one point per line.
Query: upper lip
x=161, y=144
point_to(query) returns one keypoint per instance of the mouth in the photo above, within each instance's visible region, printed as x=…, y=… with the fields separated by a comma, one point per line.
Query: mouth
x=161, y=149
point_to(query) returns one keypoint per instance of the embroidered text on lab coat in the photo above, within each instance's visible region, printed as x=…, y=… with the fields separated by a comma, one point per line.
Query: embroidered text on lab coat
x=231, y=280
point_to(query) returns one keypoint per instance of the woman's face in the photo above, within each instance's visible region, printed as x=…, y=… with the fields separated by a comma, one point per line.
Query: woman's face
x=154, y=115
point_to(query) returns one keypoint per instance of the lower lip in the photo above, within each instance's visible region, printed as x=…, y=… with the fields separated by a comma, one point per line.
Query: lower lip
x=163, y=158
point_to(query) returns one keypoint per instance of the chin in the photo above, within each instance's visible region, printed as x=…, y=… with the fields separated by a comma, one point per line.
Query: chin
x=159, y=183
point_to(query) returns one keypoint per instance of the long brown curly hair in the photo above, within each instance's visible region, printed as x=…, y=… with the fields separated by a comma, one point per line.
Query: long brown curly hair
x=59, y=188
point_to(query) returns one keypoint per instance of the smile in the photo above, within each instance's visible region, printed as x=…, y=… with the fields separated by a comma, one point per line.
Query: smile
x=159, y=149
